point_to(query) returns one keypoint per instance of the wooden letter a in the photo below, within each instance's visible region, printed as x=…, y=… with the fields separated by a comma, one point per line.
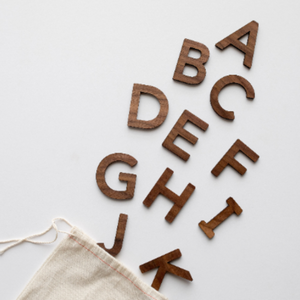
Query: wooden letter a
x=233, y=39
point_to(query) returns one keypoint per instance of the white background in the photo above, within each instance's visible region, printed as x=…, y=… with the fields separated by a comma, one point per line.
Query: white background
x=67, y=69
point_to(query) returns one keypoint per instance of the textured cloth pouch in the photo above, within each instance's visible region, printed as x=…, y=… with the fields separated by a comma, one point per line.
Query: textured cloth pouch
x=78, y=269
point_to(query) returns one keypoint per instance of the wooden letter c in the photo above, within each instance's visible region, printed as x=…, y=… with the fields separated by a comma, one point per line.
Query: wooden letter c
x=219, y=85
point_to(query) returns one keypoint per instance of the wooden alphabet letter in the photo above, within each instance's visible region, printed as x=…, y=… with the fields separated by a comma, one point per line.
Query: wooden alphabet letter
x=178, y=130
x=160, y=188
x=184, y=59
x=137, y=90
x=228, y=158
x=164, y=266
x=232, y=207
x=219, y=85
x=233, y=39
x=119, y=237
x=129, y=178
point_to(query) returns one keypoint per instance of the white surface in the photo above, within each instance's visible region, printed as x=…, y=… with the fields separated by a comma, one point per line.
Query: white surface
x=67, y=71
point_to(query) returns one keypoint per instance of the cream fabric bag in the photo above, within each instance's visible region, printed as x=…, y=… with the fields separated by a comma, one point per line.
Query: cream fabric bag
x=78, y=269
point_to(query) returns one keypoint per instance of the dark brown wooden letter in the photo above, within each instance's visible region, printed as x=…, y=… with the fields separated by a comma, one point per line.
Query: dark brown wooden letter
x=184, y=59
x=228, y=158
x=160, y=188
x=139, y=89
x=164, y=266
x=219, y=85
x=233, y=39
x=119, y=237
x=232, y=207
x=178, y=130
x=129, y=178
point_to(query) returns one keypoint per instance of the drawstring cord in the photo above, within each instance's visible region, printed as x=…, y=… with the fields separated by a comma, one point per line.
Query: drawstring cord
x=29, y=238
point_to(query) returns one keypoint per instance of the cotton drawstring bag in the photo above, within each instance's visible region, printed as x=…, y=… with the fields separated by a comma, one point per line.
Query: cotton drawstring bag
x=78, y=269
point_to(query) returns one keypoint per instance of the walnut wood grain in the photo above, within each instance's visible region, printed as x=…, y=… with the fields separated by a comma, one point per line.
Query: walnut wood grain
x=160, y=188
x=228, y=158
x=164, y=266
x=219, y=85
x=119, y=236
x=139, y=89
x=233, y=40
x=178, y=130
x=185, y=60
x=129, y=178
x=232, y=207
